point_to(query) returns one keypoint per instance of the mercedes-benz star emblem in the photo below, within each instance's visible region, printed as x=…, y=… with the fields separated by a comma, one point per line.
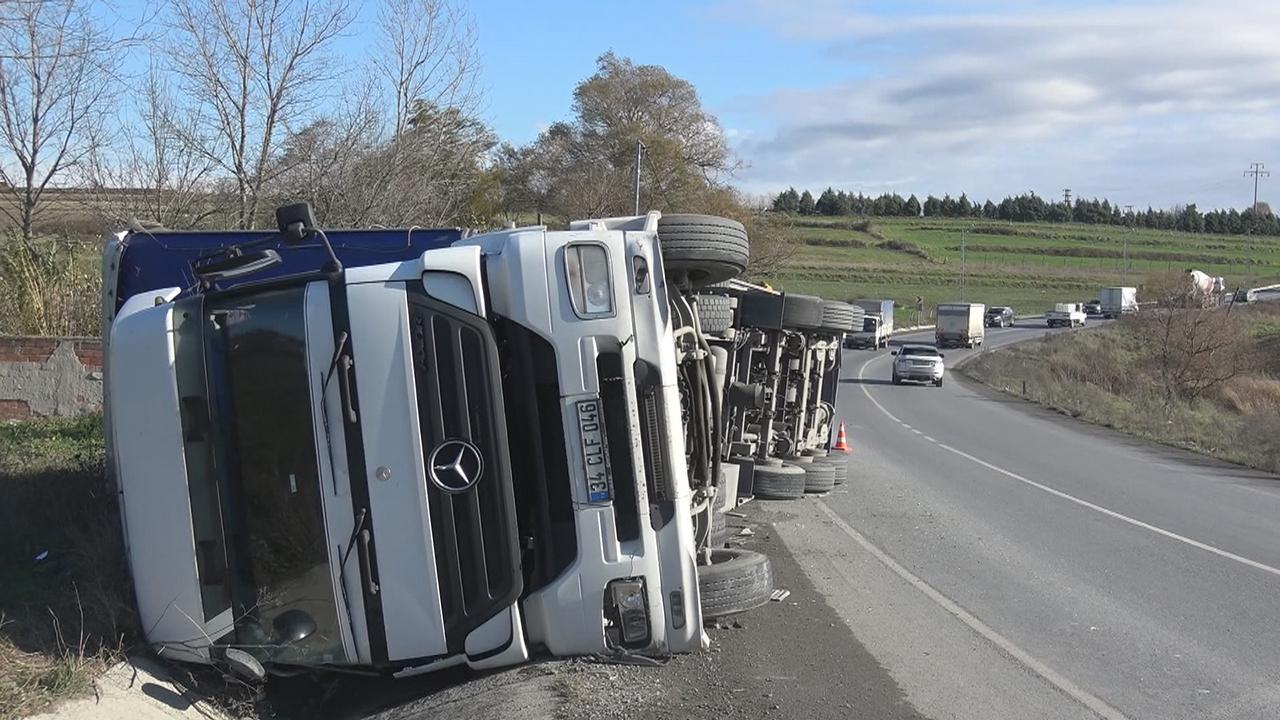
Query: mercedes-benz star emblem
x=455, y=466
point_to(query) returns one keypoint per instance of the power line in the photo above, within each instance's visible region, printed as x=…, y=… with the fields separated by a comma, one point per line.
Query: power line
x=1257, y=170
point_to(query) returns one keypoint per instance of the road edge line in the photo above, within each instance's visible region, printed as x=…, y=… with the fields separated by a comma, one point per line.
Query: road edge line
x=1048, y=674
x=1214, y=550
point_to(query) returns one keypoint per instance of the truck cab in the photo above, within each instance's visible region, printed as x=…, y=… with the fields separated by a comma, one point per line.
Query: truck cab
x=432, y=449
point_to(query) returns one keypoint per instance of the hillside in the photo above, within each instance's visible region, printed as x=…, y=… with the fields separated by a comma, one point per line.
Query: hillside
x=1026, y=265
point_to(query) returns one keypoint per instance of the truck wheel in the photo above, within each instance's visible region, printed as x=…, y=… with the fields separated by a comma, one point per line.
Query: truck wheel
x=897, y=380
x=819, y=477
x=701, y=250
x=802, y=312
x=784, y=482
x=758, y=309
x=715, y=313
x=937, y=383
x=841, y=317
x=734, y=582
x=838, y=462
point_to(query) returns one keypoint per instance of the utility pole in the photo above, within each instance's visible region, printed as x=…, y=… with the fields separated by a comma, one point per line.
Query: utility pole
x=1066, y=199
x=1128, y=209
x=963, y=267
x=1257, y=170
x=640, y=148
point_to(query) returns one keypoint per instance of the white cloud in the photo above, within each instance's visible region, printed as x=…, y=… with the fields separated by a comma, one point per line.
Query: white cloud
x=1015, y=96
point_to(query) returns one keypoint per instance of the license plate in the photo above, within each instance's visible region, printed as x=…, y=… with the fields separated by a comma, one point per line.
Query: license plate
x=595, y=451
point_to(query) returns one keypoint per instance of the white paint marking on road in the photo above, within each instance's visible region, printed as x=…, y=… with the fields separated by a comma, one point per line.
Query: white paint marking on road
x=1051, y=676
x=926, y=437
x=916, y=431
x=1086, y=504
x=904, y=425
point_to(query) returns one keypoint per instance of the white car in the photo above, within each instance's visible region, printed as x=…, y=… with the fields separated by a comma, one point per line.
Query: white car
x=919, y=363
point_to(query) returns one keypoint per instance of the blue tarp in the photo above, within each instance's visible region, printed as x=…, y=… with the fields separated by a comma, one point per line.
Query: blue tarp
x=163, y=259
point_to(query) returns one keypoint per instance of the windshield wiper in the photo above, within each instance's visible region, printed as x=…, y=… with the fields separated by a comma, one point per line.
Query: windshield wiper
x=324, y=406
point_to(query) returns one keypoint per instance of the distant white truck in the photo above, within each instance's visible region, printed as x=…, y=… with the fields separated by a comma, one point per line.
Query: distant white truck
x=960, y=325
x=1117, y=301
x=1066, y=315
x=877, y=325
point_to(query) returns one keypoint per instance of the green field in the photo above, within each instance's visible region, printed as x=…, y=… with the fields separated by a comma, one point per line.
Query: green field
x=1029, y=266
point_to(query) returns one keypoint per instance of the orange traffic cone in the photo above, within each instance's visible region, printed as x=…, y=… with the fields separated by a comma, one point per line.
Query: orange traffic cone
x=842, y=441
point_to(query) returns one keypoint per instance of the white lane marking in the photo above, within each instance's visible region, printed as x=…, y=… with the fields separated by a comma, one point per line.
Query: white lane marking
x=1086, y=504
x=1066, y=686
x=926, y=437
x=916, y=431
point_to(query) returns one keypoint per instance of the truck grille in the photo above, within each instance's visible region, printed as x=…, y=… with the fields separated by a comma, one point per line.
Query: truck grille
x=654, y=440
x=474, y=530
x=544, y=496
x=617, y=428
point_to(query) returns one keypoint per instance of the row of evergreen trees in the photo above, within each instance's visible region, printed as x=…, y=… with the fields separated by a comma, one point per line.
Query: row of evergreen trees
x=1029, y=207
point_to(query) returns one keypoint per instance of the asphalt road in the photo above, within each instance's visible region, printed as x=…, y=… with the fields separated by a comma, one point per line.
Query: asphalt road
x=1004, y=561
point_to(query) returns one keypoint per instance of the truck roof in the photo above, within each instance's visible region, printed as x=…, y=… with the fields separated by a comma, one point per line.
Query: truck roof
x=149, y=260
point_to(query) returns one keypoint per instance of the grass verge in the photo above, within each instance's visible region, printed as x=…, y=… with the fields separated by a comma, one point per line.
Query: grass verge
x=65, y=609
x=1107, y=376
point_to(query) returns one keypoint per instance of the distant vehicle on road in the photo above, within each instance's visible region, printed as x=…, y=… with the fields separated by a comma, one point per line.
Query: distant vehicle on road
x=883, y=309
x=872, y=335
x=921, y=363
x=1093, y=308
x=960, y=325
x=1066, y=315
x=999, y=316
x=1117, y=301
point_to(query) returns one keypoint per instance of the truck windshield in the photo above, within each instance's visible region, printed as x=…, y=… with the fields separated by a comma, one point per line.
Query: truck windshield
x=259, y=460
x=869, y=324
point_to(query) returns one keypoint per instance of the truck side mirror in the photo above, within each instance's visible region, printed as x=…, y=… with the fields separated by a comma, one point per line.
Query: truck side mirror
x=893, y=352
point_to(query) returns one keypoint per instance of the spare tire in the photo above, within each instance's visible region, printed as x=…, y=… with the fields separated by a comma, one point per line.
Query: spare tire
x=715, y=313
x=734, y=582
x=701, y=250
x=758, y=309
x=802, y=312
x=839, y=462
x=783, y=482
x=840, y=316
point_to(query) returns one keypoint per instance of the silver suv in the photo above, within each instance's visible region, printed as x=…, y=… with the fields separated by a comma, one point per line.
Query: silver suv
x=918, y=362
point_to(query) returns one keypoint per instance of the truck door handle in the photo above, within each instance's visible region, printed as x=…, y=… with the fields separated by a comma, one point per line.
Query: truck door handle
x=366, y=566
x=344, y=376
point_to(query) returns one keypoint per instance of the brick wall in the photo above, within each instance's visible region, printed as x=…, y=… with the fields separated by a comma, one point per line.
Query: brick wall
x=42, y=377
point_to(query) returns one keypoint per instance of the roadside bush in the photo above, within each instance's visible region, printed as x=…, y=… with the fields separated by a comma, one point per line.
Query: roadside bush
x=49, y=287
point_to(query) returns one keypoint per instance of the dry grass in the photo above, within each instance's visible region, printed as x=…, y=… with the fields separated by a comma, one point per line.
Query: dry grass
x=49, y=287
x=64, y=598
x=1109, y=377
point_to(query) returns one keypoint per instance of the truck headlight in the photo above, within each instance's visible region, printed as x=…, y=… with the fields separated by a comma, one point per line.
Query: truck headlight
x=586, y=267
x=627, y=608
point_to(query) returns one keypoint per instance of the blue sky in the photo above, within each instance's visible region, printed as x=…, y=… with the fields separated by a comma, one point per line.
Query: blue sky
x=1149, y=103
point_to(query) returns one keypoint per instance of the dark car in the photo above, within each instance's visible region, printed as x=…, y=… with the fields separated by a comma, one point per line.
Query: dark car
x=1093, y=307
x=999, y=316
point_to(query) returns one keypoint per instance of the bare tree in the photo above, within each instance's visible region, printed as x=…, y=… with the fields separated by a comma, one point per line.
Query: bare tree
x=427, y=55
x=254, y=68
x=1197, y=349
x=152, y=174
x=56, y=68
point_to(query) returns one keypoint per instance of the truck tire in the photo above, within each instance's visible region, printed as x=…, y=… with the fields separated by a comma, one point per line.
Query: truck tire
x=735, y=581
x=841, y=317
x=784, y=482
x=819, y=477
x=715, y=313
x=701, y=250
x=763, y=310
x=719, y=528
x=839, y=462
x=802, y=312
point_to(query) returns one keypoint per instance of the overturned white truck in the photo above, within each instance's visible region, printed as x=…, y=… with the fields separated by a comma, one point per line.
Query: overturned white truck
x=411, y=449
